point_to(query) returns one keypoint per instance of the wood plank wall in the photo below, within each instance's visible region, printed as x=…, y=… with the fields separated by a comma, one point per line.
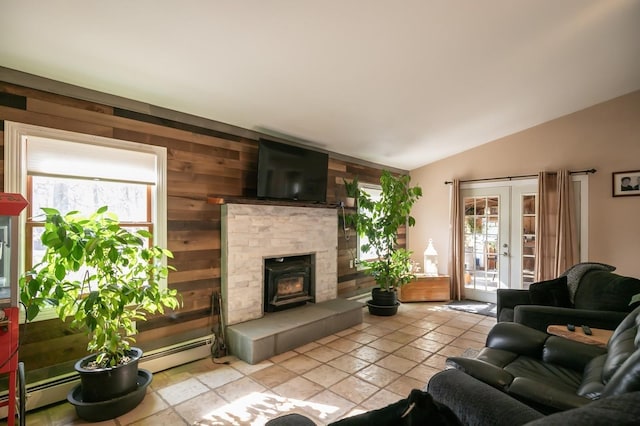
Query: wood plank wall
x=202, y=162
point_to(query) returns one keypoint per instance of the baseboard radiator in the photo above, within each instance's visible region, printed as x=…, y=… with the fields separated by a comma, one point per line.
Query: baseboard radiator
x=55, y=389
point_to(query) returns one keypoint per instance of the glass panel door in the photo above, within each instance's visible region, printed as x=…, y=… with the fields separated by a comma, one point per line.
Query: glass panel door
x=485, y=211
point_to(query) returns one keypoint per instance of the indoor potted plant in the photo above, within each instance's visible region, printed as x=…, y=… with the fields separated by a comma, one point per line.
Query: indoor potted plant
x=352, y=190
x=104, y=278
x=378, y=221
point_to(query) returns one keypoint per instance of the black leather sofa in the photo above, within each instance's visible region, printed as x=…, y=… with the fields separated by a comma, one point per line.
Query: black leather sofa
x=552, y=373
x=587, y=293
x=475, y=403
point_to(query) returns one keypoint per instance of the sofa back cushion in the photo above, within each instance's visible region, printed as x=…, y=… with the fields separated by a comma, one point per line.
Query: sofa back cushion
x=606, y=291
x=621, y=372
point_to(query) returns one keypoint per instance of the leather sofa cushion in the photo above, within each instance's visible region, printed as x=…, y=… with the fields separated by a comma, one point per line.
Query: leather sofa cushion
x=550, y=375
x=606, y=291
x=550, y=293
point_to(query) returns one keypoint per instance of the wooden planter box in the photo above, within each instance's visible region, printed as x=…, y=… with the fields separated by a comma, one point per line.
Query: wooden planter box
x=425, y=289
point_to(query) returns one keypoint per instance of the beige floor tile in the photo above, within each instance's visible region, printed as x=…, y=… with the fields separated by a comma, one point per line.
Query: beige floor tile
x=395, y=363
x=327, y=339
x=344, y=345
x=369, y=354
x=385, y=344
x=180, y=392
x=381, y=399
x=378, y=331
x=422, y=373
x=400, y=337
x=348, y=363
x=151, y=404
x=302, y=363
x=345, y=332
x=272, y=376
x=298, y=388
x=246, y=368
x=404, y=385
x=219, y=377
x=439, y=337
x=412, y=353
x=361, y=337
x=330, y=407
x=466, y=343
x=198, y=408
x=478, y=337
x=276, y=359
x=427, y=345
x=448, y=351
x=239, y=388
x=313, y=345
x=354, y=389
x=323, y=354
x=325, y=375
x=167, y=417
x=436, y=361
x=414, y=331
x=451, y=331
x=376, y=375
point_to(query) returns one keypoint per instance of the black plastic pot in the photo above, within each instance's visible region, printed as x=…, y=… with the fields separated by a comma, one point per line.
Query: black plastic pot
x=380, y=297
x=383, y=303
x=103, y=384
x=111, y=408
x=383, y=311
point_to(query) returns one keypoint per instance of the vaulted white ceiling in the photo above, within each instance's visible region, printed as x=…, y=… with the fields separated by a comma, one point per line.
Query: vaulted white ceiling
x=400, y=83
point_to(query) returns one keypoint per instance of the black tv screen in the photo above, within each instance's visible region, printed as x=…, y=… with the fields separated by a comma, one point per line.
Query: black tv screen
x=289, y=172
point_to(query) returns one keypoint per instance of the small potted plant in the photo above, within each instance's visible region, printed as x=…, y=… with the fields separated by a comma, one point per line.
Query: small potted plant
x=104, y=278
x=379, y=221
x=352, y=190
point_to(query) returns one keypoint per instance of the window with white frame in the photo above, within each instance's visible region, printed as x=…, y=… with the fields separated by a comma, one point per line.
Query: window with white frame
x=71, y=171
x=374, y=192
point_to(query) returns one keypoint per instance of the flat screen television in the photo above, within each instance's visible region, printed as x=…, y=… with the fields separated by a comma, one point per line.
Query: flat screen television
x=288, y=172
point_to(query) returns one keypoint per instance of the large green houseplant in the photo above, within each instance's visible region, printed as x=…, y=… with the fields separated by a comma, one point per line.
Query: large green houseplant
x=378, y=221
x=104, y=278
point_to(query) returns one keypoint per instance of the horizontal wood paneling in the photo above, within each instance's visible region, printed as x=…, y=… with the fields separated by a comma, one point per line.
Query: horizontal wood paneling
x=201, y=164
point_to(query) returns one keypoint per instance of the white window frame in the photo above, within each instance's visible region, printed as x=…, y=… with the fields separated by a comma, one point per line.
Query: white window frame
x=365, y=187
x=15, y=178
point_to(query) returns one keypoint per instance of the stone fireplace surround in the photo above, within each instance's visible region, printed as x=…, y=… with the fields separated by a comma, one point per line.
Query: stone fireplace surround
x=251, y=233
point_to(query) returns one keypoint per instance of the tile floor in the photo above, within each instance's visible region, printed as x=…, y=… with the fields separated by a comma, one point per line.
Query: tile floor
x=358, y=369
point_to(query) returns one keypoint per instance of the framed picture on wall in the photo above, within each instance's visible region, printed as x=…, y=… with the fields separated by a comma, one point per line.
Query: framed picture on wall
x=626, y=183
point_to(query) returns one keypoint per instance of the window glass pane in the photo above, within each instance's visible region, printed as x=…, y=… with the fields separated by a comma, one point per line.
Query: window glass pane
x=374, y=194
x=127, y=200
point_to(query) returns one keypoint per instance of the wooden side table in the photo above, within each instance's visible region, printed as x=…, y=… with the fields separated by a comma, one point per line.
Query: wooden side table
x=599, y=337
x=425, y=288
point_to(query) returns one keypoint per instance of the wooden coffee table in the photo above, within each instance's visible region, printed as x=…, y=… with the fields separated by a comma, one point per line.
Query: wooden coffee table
x=599, y=337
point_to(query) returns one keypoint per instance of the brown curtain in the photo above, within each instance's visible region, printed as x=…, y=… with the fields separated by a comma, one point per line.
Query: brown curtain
x=556, y=239
x=456, y=260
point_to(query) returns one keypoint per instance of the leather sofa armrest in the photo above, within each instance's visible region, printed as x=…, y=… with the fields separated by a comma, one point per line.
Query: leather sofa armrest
x=483, y=371
x=543, y=397
x=540, y=317
x=510, y=298
x=569, y=353
x=474, y=402
x=513, y=337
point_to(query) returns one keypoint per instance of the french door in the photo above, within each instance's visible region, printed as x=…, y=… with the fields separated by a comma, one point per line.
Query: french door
x=499, y=237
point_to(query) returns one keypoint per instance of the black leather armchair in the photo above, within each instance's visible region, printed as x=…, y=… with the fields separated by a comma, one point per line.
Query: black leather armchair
x=597, y=297
x=552, y=373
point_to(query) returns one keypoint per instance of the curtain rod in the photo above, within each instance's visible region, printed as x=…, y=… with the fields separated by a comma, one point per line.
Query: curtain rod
x=577, y=172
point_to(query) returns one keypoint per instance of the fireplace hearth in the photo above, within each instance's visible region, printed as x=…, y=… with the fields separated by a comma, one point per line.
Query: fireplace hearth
x=288, y=282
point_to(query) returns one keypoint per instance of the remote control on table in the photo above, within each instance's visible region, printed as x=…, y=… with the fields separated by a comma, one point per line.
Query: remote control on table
x=571, y=327
x=586, y=330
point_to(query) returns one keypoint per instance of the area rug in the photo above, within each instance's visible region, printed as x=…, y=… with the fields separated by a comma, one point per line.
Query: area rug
x=474, y=307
